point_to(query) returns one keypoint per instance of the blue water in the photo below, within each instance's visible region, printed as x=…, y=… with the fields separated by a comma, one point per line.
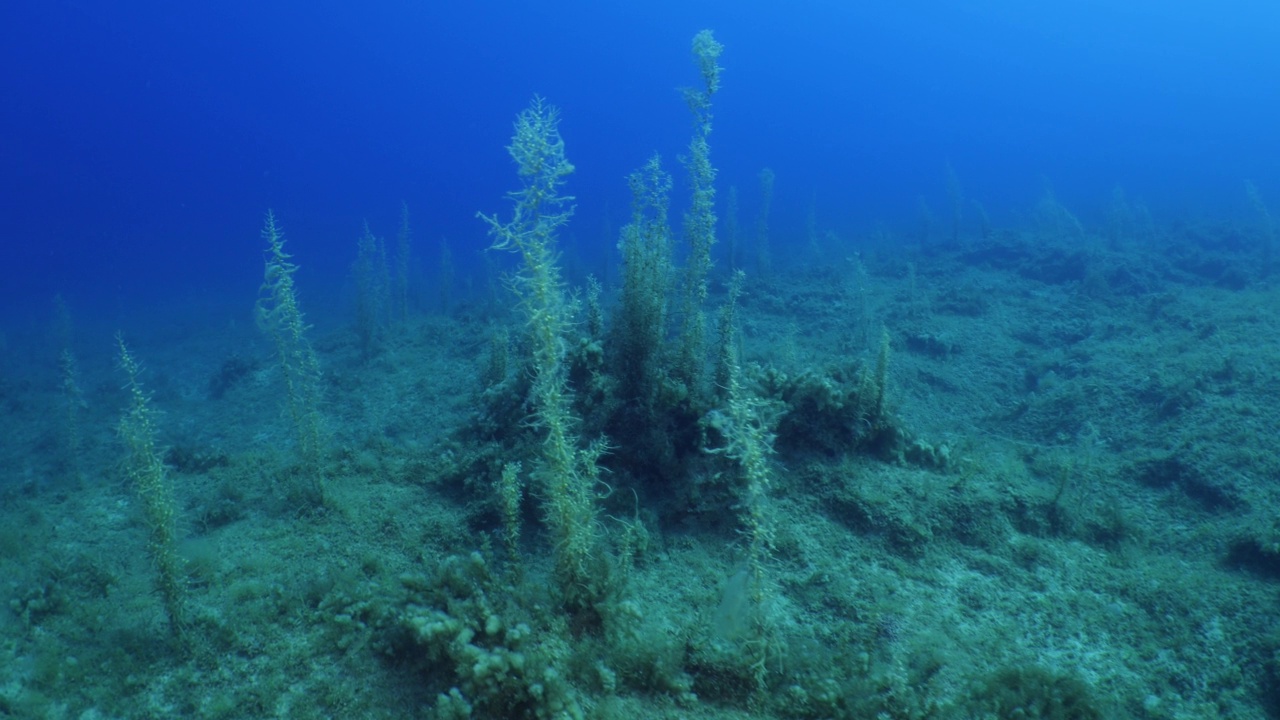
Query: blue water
x=145, y=140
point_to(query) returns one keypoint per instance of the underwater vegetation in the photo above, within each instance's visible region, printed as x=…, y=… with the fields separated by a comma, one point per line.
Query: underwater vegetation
x=1014, y=472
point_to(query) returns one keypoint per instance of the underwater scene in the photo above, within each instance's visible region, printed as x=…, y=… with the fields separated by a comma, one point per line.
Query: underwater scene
x=672, y=360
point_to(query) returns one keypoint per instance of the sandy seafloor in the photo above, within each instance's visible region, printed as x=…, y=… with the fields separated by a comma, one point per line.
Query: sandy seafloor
x=1097, y=535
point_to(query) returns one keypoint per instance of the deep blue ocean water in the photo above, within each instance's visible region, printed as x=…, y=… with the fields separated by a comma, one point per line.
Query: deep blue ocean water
x=143, y=141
